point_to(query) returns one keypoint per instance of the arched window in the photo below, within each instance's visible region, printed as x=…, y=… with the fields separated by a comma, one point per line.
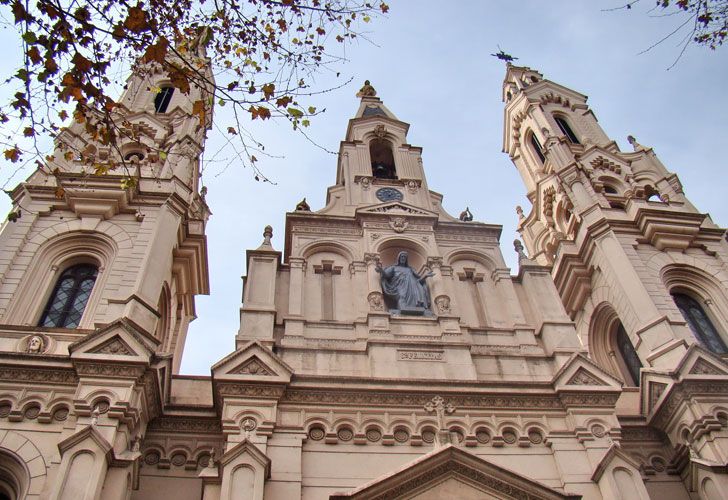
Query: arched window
x=70, y=295
x=537, y=148
x=630, y=359
x=566, y=129
x=382, y=158
x=699, y=323
x=162, y=99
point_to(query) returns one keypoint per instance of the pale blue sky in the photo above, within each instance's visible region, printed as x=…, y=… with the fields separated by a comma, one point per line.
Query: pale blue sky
x=431, y=66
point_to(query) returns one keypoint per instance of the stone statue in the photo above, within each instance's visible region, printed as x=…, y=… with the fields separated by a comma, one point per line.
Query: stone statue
x=35, y=345
x=367, y=90
x=404, y=290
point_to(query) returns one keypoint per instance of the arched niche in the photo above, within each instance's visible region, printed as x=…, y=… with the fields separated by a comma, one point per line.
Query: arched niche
x=390, y=249
x=475, y=291
x=382, y=158
x=14, y=476
x=611, y=347
x=327, y=285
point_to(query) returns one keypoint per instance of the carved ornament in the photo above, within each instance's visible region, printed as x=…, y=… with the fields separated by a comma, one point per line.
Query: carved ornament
x=398, y=224
x=376, y=301
x=583, y=377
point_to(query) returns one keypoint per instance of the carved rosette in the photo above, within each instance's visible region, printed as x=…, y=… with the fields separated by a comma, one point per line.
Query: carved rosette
x=376, y=301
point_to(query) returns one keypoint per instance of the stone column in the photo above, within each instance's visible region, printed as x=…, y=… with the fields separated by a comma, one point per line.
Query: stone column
x=378, y=316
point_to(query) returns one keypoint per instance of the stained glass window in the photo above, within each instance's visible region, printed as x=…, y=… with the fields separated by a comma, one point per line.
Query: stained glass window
x=629, y=356
x=699, y=323
x=70, y=295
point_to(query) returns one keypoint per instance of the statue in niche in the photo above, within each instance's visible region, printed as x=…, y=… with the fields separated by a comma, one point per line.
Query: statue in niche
x=405, y=291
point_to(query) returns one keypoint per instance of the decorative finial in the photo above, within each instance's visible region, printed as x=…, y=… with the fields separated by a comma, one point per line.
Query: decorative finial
x=518, y=247
x=465, y=215
x=367, y=90
x=635, y=145
x=95, y=416
x=503, y=56
x=519, y=211
x=267, y=235
x=303, y=206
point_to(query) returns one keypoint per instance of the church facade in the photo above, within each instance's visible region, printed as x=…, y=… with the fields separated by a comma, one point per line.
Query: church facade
x=385, y=350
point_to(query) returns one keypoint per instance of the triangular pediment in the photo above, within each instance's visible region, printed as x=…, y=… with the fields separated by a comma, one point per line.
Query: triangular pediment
x=451, y=472
x=614, y=457
x=696, y=364
x=248, y=450
x=395, y=208
x=254, y=366
x=579, y=373
x=118, y=341
x=252, y=361
x=114, y=347
x=698, y=361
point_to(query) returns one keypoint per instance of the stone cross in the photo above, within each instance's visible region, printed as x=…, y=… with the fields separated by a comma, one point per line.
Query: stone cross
x=438, y=406
x=470, y=276
x=328, y=271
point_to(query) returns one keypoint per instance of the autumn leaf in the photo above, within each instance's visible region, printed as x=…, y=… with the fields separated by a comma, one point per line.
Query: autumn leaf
x=268, y=90
x=157, y=52
x=284, y=101
x=34, y=55
x=12, y=154
x=28, y=132
x=259, y=112
x=232, y=131
x=198, y=108
x=136, y=20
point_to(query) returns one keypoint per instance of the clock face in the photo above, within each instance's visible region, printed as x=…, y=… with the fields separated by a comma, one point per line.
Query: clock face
x=389, y=194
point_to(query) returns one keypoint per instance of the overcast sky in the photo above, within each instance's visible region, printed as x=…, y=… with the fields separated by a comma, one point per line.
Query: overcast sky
x=431, y=66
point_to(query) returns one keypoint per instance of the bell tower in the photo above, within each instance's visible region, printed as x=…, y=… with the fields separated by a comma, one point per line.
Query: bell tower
x=116, y=231
x=640, y=270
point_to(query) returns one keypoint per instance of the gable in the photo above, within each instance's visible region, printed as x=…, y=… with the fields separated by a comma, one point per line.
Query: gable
x=395, y=207
x=450, y=472
x=252, y=361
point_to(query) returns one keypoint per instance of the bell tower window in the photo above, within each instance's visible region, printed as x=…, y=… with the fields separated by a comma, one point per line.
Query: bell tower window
x=70, y=296
x=537, y=148
x=382, y=158
x=566, y=129
x=162, y=99
x=699, y=323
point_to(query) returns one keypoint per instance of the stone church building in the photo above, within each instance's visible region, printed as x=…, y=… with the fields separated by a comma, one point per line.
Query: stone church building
x=385, y=349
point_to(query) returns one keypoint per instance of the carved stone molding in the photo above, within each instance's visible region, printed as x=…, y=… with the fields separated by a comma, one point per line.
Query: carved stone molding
x=40, y=375
x=184, y=424
x=419, y=400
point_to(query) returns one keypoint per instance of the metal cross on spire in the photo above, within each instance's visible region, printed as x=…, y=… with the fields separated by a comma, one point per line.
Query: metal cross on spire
x=503, y=56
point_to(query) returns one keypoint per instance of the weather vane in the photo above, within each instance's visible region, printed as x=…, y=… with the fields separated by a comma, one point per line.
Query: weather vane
x=503, y=56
